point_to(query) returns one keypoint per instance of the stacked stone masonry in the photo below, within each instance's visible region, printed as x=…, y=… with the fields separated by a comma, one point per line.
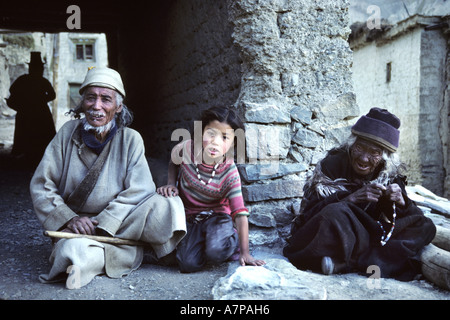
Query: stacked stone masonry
x=296, y=99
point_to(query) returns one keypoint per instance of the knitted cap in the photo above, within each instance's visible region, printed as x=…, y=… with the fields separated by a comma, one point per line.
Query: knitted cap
x=379, y=126
x=103, y=77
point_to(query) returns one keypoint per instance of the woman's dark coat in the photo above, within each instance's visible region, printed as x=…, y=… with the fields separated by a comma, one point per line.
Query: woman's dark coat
x=347, y=232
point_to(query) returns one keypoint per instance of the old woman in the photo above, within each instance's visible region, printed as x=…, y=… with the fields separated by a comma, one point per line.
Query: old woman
x=356, y=213
x=94, y=180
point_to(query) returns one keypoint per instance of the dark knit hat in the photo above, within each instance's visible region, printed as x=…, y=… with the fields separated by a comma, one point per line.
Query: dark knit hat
x=379, y=126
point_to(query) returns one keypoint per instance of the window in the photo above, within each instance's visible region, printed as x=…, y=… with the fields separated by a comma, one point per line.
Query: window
x=84, y=49
x=388, y=71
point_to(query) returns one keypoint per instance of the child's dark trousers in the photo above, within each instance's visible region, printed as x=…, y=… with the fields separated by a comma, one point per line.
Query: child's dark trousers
x=209, y=237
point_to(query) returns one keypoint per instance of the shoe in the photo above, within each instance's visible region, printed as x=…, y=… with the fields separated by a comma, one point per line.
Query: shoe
x=149, y=257
x=327, y=266
x=236, y=254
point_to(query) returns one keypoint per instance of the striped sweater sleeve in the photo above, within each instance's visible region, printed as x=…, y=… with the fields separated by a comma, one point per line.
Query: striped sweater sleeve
x=234, y=194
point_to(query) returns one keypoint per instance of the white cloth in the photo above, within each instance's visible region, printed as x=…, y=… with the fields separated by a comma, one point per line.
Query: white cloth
x=77, y=261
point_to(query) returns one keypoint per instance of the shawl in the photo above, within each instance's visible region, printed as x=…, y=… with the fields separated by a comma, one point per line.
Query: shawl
x=95, y=145
x=334, y=173
x=334, y=179
x=354, y=233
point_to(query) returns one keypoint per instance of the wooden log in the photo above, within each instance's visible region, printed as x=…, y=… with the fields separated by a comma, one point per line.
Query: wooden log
x=110, y=240
x=426, y=198
x=436, y=266
x=442, y=238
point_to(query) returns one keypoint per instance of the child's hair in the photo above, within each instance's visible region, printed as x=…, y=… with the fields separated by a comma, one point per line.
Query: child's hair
x=222, y=114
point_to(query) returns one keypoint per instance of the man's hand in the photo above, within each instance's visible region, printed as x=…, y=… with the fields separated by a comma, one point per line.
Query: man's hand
x=81, y=225
x=168, y=191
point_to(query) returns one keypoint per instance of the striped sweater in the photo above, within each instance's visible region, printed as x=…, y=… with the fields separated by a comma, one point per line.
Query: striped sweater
x=222, y=195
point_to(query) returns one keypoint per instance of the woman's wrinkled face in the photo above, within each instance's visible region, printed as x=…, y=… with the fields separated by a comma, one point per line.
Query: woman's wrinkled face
x=365, y=156
x=218, y=138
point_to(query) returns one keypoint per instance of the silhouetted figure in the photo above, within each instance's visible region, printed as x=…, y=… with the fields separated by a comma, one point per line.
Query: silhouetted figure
x=34, y=128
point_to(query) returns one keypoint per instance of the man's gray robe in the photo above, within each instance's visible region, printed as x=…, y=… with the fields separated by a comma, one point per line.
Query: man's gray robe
x=123, y=200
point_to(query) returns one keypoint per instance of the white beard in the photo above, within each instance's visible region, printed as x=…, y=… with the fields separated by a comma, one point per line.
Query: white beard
x=101, y=129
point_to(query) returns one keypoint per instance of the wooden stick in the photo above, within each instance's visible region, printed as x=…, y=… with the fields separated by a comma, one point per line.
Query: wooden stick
x=110, y=240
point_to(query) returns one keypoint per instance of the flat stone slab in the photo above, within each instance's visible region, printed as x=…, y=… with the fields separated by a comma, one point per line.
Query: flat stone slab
x=280, y=280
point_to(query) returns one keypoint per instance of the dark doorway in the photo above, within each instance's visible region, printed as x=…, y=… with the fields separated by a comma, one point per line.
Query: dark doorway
x=176, y=58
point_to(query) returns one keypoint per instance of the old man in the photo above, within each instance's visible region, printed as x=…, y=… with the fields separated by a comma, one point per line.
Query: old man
x=94, y=179
x=355, y=212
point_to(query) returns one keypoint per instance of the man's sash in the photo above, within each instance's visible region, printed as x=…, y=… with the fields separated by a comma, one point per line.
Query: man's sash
x=78, y=197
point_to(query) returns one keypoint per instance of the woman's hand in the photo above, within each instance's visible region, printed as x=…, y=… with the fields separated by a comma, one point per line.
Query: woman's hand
x=168, y=191
x=394, y=193
x=373, y=192
x=368, y=193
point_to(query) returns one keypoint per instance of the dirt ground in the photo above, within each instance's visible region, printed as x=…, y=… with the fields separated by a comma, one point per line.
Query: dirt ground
x=24, y=252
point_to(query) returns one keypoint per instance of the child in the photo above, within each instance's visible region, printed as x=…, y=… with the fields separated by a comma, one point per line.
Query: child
x=210, y=188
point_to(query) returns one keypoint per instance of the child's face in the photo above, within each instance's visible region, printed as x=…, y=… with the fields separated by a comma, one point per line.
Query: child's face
x=218, y=138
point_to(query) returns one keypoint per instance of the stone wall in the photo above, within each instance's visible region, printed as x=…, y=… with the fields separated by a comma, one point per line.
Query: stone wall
x=432, y=135
x=446, y=116
x=296, y=98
